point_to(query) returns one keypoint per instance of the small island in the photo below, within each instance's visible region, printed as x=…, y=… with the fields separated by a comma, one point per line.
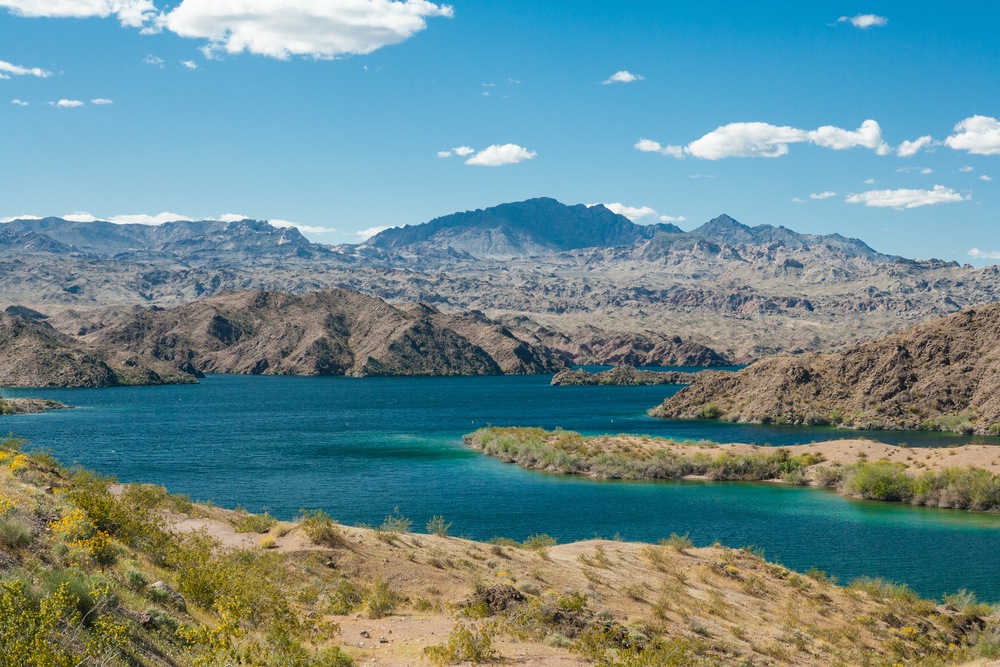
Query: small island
x=624, y=376
x=27, y=406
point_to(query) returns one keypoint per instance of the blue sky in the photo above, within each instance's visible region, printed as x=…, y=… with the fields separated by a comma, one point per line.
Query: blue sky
x=875, y=119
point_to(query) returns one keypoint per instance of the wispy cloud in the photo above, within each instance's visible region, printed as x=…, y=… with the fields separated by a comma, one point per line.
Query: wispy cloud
x=18, y=103
x=986, y=178
x=965, y=168
x=909, y=148
x=498, y=155
x=672, y=218
x=906, y=198
x=623, y=76
x=10, y=69
x=461, y=151
x=308, y=229
x=20, y=217
x=131, y=13
x=189, y=64
x=145, y=219
x=865, y=21
x=823, y=195
x=911, y=170
x=68, y=104
x=770, y=141
x=984, y=254
x=365, y=234
x=633, y=213
x=155, y=61
x=979, y=135
x=101, y=101
x=300, y=27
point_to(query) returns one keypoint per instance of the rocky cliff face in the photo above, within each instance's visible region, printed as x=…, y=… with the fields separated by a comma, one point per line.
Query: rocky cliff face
x=33, y=354
x=942, y=375
x=332, y=332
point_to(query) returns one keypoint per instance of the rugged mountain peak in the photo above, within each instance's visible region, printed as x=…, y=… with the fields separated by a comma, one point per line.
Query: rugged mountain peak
x=532, y=227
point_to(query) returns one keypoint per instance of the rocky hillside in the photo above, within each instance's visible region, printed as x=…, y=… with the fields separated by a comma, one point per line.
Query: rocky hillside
x=333, y=332
x=34, y=354
x=944, y=375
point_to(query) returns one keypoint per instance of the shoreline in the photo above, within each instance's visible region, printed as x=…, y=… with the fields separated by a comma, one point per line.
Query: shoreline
x=965, y=477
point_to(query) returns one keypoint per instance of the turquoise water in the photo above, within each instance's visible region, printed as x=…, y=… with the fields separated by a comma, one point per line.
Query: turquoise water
x=358, y=448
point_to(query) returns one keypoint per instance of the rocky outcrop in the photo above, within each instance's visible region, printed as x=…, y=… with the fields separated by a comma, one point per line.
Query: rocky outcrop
x=33, y=354
x=944, y=375
x=622, y=376
x=28, y=406
x=332, y=332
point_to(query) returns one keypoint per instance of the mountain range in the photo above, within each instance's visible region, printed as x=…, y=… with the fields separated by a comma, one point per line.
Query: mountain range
x=579, y=279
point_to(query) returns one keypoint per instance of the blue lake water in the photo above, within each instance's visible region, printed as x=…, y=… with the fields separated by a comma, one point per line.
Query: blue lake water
x=358, y=448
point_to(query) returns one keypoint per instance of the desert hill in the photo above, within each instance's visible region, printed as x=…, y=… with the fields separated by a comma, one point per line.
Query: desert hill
x=941, y=375
x=333, y=332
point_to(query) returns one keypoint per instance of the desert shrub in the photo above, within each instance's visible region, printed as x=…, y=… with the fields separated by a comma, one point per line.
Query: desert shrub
x=395, y=523
x=14, y=533
x=437, y=526
x=680, y=543
x=380, y=601
x=539, y=542
x=466, y=643
x=136, y=579
x=344, y=598
x=709, y=411
x=320, y=527
x=829, y=476
x=253, y=523
x=879, y=480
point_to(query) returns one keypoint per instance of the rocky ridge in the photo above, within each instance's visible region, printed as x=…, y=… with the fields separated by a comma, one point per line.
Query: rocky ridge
x=943, y=375
x=621, y=376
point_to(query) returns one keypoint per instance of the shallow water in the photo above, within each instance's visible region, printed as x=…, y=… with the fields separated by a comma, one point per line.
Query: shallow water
x=358, y=448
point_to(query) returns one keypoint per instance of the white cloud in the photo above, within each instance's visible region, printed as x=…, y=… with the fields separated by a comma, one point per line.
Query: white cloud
x=623, y=76
x=650, y=146
x=498, y=155
x=979, y=135
x=20, y=217
x=80, y=217
x=984, y=254
x=823, y=195
x=7, y=68
x=797, y=200
x=144, y=219
x=232, y=217
x=908, y=148
x=131, y=13
x=308, y=229
x=67, y=104
x=101, y=101
x=365, y=234
x=672, y=218
x=444, y=154
x=189, y=64
x=766, y=140
x=986, y=178
x=155, y=61
x=965, y=168
x=865, y=21
x=19, y=103
x=633, y=213
x=462, y=151
x=906, y=198
x=926, y=170
x=300, y=27
x=870, y=181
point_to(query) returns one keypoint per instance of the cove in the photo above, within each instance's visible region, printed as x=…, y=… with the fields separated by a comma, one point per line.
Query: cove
x=358, y=448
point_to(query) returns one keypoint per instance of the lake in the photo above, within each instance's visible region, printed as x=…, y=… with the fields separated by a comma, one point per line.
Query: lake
x=358, y=448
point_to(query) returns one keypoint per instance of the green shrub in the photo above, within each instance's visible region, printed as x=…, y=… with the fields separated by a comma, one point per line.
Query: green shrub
x=437, y=526
x=14, y=533
x=879, y=480
x=320, y=528
x=395, y=523
x=681, y=543
x=380, y=601
x=465, y=644
x=539, y=542
x=344, y=598
x=254, y=523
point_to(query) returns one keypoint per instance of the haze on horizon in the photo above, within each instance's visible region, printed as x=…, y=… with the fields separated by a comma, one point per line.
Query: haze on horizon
x=875, y=121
